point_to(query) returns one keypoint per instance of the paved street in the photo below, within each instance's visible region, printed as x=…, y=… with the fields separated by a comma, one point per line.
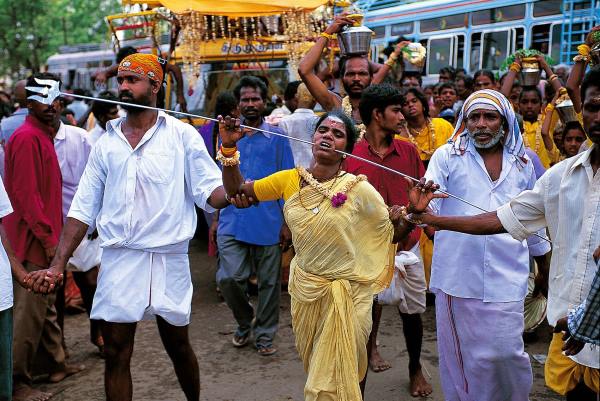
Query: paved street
x=230, y=374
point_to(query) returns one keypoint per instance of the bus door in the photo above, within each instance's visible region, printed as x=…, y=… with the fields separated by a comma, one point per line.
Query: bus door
x=489, y=48
x=443, y=51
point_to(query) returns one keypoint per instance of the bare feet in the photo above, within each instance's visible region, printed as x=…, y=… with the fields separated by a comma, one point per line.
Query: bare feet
x=68, y=371
x=26, y=393
x=419, y=387
x=377, y=363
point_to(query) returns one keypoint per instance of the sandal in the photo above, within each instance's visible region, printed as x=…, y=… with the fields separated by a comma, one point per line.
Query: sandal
x=266, y=350
x=240, y=341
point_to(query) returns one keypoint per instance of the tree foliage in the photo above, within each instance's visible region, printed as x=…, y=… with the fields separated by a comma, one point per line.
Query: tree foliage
x=32, y=30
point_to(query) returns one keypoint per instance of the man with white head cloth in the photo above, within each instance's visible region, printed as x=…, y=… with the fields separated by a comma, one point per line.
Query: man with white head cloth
x=481, y=281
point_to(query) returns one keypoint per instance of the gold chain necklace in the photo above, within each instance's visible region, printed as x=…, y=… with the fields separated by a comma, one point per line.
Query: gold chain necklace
x=347, y=108
x=413, y=134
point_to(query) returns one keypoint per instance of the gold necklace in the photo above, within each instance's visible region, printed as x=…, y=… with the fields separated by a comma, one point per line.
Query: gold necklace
x=347, y=109
x=316, y=209
x=413, y=134
x=337, y=199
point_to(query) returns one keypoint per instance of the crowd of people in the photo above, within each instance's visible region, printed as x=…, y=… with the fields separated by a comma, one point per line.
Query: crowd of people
x=108, y=212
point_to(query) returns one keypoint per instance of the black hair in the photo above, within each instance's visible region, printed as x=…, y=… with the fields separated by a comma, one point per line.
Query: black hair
x=124, y=52
x=225, y=104
x=378, y=97
x=592, y=78
x=31, y=81
x=67, y=111
x=344, y=60
x=249, y=81
x=100, y=108
x=467, y=80
x=291, y=89
x=351, y=133
x=530, y=89
x=447, y=85
x=573, y=125
x=420, y=97
x=448, y=70
x=486, y=73
x=407, y=74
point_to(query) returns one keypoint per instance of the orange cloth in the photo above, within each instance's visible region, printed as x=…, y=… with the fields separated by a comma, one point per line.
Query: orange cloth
x=143, y=64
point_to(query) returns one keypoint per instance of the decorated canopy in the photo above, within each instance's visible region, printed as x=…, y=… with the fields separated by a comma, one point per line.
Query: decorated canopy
x=233, y=8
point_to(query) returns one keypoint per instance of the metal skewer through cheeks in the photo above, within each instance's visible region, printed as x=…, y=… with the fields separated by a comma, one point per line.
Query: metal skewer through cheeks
x=50, y=91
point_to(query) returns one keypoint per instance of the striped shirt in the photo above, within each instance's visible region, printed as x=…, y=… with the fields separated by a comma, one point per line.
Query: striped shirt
x=584, y=321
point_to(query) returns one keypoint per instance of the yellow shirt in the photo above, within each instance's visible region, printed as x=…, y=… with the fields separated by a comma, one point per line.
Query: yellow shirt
x=532, y=137
x=427, y=142
x=282, y=184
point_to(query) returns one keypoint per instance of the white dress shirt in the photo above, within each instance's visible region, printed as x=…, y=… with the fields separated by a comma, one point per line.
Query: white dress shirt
x=72, y=150
x=95, y=133
x=6, y=282
x=492, y=268
x=566, y=199
x=143, y=198
x=300, y=124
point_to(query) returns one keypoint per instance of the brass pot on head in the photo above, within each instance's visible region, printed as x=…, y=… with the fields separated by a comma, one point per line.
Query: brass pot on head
x=566, y=111
x=530, y=71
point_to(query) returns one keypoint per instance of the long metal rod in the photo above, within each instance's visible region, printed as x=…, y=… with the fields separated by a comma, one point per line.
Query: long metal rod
x=391, y=170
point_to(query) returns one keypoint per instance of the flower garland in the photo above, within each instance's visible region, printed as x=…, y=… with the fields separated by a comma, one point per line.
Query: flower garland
x=413, y=137
x=338, y=198
x=347, y=108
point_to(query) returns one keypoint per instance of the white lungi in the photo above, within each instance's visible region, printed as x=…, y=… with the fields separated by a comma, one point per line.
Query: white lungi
x=481, y=350
x=414, y=286
x=136, y=285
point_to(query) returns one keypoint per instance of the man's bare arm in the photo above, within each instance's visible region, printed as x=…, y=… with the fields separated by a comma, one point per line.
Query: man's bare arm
x=481, y=224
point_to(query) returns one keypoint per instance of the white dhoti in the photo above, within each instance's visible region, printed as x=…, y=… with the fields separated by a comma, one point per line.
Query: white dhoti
x=481, y=351
x=134, y=285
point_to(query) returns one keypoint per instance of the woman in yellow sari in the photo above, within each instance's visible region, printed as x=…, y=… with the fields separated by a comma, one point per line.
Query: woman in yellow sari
x=343, y=235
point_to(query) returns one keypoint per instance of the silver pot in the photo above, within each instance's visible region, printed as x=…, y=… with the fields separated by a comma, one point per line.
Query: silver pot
x=355, y=41
x=566, y=111
x=530, y=76
x=413, y=62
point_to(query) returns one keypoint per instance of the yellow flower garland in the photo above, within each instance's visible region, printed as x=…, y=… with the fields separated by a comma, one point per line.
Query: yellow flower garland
x=347, y=108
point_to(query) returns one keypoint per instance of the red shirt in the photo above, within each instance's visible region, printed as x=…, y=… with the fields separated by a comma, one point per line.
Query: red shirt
x=401, y=156
x=34, y=185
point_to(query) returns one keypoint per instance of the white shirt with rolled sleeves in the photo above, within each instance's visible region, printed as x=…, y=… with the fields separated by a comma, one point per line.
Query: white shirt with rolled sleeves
x=6, y=283
x=566, y=199
x=492, y=268
x=142, y=201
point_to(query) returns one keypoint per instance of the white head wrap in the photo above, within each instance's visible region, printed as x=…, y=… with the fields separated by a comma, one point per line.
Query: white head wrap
x=488, y=99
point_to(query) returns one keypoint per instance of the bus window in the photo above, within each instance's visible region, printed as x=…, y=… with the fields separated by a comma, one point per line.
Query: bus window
x=547, y=7
x=540, y=38
x=402, y=29
x=439, y=54
x=502, y=14
x=460, y=51
x=475, y=54
x=379, y=31
x=556, y=41
x=519, y=38
x=449, y=22
x=495, y=49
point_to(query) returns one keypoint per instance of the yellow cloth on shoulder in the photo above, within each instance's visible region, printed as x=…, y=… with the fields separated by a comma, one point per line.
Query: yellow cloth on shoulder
x=529, y=138
x=344, y=256
x=426, y=146
x=563, y=374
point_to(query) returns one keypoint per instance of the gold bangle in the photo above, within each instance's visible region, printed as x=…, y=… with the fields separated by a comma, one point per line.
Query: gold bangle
x=584, y=50
x=515, y=67
x=390, y=62
x=228, y=152
x=550, y=108
x=229, y=161
x=328, y=36
x=552, y=77
x=562, y=91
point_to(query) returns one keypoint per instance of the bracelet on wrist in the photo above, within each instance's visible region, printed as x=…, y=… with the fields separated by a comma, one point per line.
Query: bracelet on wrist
x=328, y=36
x=410, y=216
x=584, y=50
x=230, y=161
x=515, y=67
x=228, y=152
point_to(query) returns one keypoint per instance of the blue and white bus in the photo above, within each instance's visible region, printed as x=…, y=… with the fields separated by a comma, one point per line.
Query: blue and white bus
x=476, y=34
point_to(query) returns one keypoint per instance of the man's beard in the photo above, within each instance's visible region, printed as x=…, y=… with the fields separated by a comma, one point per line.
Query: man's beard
x=128, y=97
x=496, y=138
x=352, y=92
x=594, y=134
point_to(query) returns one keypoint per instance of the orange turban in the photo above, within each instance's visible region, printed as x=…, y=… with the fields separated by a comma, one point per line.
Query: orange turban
x=143, y=64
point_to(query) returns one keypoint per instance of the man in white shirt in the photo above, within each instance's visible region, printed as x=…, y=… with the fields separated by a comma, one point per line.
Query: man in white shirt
x=300, y=124
x=103, y=112
x=8, y=262
x=566, y=200
x=290, y=103
x=481, y=282
x=139, y=188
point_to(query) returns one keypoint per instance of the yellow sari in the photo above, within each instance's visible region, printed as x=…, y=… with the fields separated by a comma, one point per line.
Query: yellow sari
x=343, y=257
